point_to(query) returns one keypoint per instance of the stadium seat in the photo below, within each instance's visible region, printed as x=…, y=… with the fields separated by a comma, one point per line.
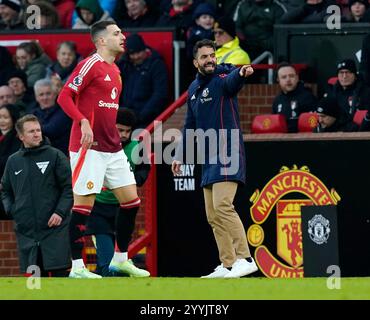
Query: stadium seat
x=269, y=123
x=359, y=116
x=332, y=80
x=307, y=121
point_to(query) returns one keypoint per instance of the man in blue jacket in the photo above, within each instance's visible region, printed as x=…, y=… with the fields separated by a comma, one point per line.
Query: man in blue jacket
x=55, y=124
x=213, y=110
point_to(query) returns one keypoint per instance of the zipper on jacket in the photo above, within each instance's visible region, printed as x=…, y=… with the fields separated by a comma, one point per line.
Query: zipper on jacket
x=36, y=233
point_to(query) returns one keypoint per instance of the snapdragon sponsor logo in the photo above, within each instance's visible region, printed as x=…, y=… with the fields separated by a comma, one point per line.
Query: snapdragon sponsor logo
x=109, y=105
x=221, y=147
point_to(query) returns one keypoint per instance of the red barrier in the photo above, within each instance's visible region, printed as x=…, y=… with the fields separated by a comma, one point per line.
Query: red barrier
x=262, y=66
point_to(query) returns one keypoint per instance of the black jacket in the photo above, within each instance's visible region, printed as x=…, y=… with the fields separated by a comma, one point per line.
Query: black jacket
x=36, y=184
x=181, y=21
x=352, y=98
x=338, y=126
x=146, y=87
x=308, y=13
x=365, y=59
x=8, y=145
x=293, y=103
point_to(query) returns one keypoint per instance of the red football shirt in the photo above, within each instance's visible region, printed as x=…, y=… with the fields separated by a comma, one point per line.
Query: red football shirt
x=95, y=87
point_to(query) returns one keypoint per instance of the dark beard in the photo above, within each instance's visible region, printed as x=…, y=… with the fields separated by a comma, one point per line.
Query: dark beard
x=202, y=70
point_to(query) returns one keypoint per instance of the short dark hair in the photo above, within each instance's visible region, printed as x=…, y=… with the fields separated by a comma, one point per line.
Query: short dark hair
x=98, y=27
x=19, y=125
x=126, y=117
x=203, y=43
x=283, y=65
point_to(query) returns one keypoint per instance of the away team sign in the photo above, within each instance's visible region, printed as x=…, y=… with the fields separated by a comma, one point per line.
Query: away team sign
x=288, y=218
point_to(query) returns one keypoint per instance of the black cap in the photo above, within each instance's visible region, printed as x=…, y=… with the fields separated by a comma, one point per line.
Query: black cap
x=227, y=24
x=347, y=64
x=364, y=2
x=18, y=74
x=329, y=106
x=135, y=43
x=14, y=4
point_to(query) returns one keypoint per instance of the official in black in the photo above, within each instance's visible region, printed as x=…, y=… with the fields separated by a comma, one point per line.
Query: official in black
x=37, y=193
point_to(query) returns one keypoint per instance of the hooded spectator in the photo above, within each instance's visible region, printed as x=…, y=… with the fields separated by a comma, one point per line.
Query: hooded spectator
x=11, y=15
x=203, y=18
x=89, y=12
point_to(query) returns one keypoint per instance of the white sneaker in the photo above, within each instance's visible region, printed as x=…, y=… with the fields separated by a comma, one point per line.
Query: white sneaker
x=242, y=267
x=129, y=268
x=220, y=272
x=83, y=273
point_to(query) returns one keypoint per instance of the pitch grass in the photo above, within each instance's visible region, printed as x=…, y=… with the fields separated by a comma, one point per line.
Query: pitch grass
x=184, y=289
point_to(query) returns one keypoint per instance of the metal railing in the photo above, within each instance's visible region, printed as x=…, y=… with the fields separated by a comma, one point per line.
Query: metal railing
x=177, y=46
x=270, y=60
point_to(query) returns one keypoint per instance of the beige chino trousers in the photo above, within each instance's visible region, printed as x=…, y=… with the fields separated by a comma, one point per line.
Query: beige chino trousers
x=227, y=227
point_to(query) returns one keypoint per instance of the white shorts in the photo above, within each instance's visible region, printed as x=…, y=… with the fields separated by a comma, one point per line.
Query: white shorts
x=111, y=170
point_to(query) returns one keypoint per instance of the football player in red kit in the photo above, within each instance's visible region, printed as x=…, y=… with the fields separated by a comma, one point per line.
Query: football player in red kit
x=90, y=97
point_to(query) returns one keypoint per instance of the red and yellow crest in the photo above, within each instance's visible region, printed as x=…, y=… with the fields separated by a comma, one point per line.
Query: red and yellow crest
x=266, y=124
x=299, y=188
x=90, y=185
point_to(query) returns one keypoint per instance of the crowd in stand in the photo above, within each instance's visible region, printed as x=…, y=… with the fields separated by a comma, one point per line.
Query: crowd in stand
x=30, y=81
x=341, y=100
